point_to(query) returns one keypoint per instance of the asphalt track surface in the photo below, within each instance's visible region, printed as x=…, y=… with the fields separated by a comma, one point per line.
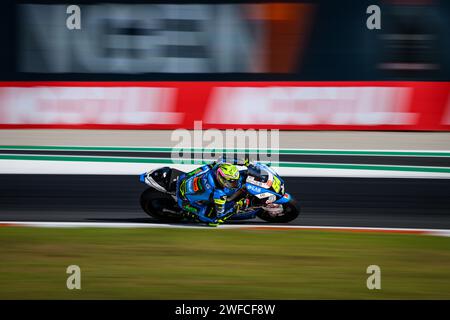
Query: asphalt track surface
x=353, y=202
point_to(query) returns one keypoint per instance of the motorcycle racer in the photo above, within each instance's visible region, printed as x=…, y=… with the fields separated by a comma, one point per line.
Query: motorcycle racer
x=206, y=192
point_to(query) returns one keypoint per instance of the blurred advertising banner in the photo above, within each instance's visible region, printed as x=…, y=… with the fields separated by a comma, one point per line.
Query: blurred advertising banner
x=222, y=105
x=164, y=38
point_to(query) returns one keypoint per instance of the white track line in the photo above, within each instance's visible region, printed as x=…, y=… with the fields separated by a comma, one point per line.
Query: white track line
x=42, y=224
x=118, y=168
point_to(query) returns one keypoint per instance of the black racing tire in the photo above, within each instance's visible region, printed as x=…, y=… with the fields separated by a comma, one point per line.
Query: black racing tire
x=153, y=202
x=291, y=212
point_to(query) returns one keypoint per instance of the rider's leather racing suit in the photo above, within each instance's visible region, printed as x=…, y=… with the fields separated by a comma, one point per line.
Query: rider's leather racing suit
x=199, y=193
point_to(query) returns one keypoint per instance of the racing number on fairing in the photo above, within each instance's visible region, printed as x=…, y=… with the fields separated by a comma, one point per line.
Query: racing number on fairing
x=276, y=184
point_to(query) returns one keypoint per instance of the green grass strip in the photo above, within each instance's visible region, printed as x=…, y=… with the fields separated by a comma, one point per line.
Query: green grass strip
x=220, y=264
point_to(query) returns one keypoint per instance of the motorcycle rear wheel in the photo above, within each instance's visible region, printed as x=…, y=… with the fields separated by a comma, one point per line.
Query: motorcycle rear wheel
x=156, y=204
x=291, y=210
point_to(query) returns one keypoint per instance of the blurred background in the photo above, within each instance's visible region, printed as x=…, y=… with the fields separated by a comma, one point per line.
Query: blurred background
x=364, y=120
x=302, y=40
x=291, y=65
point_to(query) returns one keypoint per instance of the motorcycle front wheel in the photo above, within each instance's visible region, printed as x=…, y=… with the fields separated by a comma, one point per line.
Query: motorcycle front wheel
x=291, y=210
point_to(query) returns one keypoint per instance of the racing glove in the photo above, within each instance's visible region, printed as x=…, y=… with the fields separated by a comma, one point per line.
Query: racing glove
x=241, y=204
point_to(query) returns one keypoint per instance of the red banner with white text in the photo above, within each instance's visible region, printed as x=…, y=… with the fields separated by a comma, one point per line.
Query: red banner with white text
x=260, y=105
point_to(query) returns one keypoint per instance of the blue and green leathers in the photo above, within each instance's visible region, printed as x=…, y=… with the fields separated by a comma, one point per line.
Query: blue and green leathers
x=199, y=192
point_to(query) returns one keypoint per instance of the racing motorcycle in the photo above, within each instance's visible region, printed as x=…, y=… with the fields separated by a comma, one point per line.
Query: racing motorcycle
x=263, y=187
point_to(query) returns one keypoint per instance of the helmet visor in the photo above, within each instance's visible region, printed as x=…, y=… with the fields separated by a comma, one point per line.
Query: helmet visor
x=229, y=183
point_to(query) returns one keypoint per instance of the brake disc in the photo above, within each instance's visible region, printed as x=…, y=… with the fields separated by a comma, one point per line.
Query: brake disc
x=274, y=209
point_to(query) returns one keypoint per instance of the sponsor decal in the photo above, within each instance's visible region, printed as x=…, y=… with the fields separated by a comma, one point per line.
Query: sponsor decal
x=197, y=184
x=253, y=188
x=311, y=106
x=226, y=105
x=271, y=199
x=88, y=105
